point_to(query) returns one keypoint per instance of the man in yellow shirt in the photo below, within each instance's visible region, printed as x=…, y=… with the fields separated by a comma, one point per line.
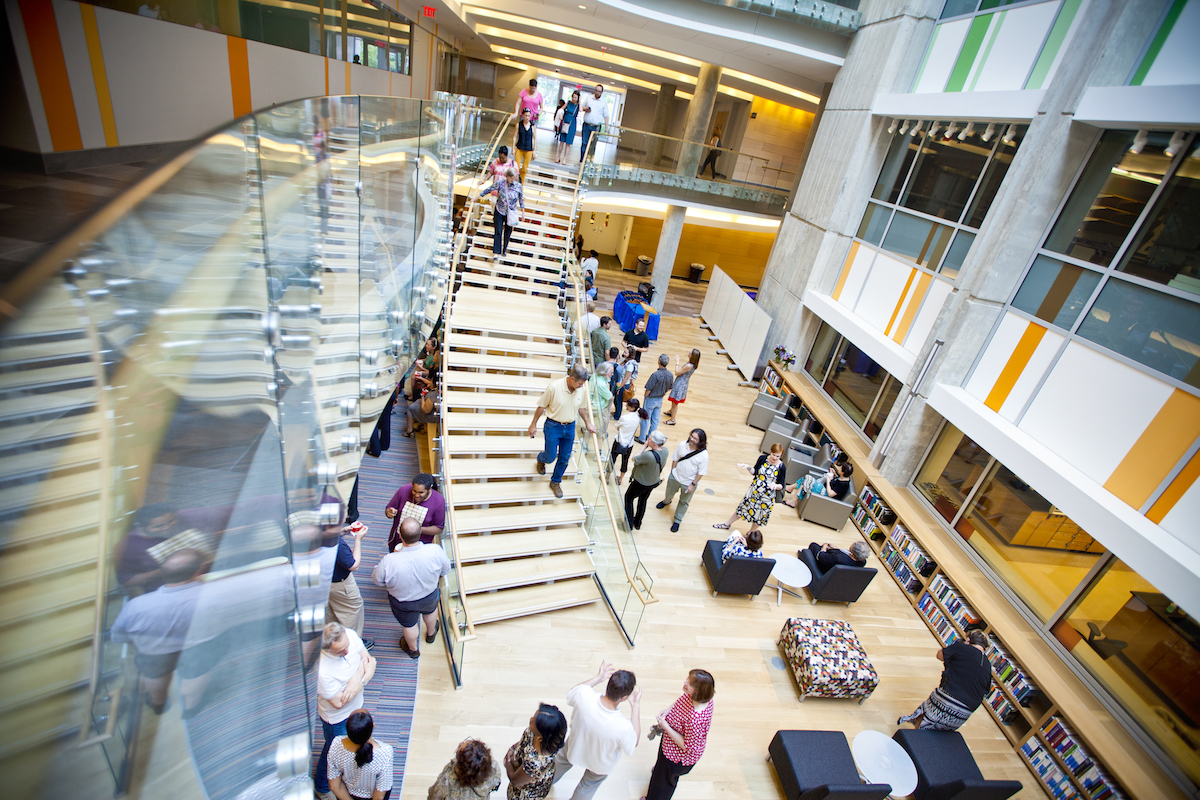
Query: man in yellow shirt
x=561, y=401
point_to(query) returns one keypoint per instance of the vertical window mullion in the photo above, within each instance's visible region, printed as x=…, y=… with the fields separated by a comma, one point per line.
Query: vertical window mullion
x=985, y=475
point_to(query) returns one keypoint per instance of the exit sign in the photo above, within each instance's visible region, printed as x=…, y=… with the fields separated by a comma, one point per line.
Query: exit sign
x=428, y=11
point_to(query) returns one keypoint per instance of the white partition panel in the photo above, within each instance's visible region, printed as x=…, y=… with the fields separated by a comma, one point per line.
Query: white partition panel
x=710, y=295
x=756, y=337
x=725, y=308
x=729, y=319
x=736, y=342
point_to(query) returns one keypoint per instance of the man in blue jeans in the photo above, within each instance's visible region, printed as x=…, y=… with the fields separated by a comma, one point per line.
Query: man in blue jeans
x=593, y=118
x=561, y=401
x=344, y=669
x=657, y=386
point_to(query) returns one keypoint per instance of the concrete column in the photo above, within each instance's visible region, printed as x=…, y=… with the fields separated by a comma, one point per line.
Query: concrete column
x=695, y=129
x=663, y=105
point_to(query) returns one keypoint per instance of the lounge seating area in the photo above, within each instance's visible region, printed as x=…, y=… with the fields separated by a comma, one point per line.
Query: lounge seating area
x=818, y=765
x=839, y=584
x=737, y=574
x=946, y=769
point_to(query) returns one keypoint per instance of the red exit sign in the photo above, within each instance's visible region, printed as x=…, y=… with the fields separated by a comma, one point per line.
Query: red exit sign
x=428, y=11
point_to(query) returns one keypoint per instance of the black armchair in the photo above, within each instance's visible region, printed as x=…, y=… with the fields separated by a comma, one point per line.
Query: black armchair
x=818, y=765
x=738, y=575
x=841, y=584
x=946, y=770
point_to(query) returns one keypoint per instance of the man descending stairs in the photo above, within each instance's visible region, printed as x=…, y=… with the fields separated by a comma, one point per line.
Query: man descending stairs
x=523, y=549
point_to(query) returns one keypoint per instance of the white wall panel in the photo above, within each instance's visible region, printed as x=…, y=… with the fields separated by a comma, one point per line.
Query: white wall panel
x=935, y=298
x=1182, y=520
x=1092, y=409
x=278, y=75
x=998, y=351
x=879, y=296
x=366, y=80
x=79, y=73
x=1039, y=362
x=943, y=52
x=1016, y=46
x=710, y=295
x=1179, y=60
x=859, y=267
x=168, y=82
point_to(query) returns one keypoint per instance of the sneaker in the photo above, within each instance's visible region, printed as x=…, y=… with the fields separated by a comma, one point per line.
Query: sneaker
x=674, y=527
x=661, y=505
x=541, y=468
x=557, y=489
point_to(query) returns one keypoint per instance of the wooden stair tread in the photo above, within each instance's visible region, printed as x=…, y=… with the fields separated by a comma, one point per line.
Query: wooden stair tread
x=34, y=638
x=553, y=366
x=48, y=523
x=519, y=266
x=467, y=421
x=63, y=487
x=482, y=298
x=476, y=520
x=499, y=444
x=513, y=491
x=493, y=380
x=52, y=595
x=498, y=343
x=525, y=571
x=461, y=469
x=19, y=566
x=510, y=284
x=499, y=322
x=521, y=543
x=462, y=399
x=510, y=603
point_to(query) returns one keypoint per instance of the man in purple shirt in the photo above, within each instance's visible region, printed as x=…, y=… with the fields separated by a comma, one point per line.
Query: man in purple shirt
x=420, y=493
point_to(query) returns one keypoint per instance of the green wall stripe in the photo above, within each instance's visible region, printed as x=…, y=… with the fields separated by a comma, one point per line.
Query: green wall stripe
x=987, y=51
x=928, y=50
x=966, y=56
x=1054, y=42
x=1156, y=45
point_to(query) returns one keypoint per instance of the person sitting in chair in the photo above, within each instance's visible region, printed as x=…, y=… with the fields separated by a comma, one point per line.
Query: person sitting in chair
x=827, y=556
x=748, y=546
x=834, y=484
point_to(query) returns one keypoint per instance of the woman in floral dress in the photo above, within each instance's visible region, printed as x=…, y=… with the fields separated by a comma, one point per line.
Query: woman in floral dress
x=756, y=506
x=530, y=762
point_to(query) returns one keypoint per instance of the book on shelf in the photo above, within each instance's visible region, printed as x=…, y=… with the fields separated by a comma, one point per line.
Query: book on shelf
x=911, y=550
x=942, y=628
x=962, y=613
x=897, y=567
x=1056, y=782
x=1004, y=709
x=865, y=522
x=1066, y=745
x=1010, y=674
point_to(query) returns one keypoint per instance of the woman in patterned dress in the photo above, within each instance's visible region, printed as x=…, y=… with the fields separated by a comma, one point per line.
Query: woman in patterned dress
x=530, y=762
x=471, y=775
x=679, y=389
x=756, y=506
x=684, y=729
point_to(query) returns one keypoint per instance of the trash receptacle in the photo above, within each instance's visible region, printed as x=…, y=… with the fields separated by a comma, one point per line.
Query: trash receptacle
x=644, y=263
x=697, y=271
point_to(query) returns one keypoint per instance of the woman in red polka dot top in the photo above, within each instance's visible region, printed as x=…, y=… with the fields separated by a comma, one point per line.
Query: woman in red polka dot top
x=684, y=734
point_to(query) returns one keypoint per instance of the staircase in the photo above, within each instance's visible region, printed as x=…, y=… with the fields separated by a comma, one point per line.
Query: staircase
x=520, y=549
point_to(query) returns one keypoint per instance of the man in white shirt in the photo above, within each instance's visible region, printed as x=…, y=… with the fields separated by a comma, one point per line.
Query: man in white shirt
x=599, y=734
x=592, y=262
x=411, y=576
x=343, y=672
x=593, y=118
x=688, y=466
x=592, y=318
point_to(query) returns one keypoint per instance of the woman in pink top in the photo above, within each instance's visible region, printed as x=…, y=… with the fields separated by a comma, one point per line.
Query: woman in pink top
x=684, y=734
x=530, y=99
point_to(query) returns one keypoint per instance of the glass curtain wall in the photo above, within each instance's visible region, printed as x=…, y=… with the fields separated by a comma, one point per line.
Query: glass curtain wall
x=860, y=387
x=1133, y=639
x=1120, y=267
x=197, y=382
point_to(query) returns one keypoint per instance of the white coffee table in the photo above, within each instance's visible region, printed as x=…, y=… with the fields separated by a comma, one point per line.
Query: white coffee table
x=789, y=571
x=880, y=759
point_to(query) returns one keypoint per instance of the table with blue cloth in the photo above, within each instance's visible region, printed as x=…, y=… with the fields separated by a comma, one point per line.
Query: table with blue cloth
x=629, y=307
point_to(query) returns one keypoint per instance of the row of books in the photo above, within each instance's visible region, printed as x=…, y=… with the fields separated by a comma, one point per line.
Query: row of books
x=911, y=550
x=772, y=378
x=1000, y=703
x=942, y=628
x=871, y=500
x=962, y=613
x=1010, y=674
x=1095, y=781
x=1058, y=784
x=866, y=523
x=899, y=568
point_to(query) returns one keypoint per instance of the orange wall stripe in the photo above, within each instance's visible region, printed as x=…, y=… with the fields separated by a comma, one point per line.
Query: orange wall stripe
x=99, y=74
x=41, y=28
x=846, y=267
x=1183, y=481
x=896, y=311
x=1017, y=362
x=914, y=305
x=239, y=76
x=1166, y=440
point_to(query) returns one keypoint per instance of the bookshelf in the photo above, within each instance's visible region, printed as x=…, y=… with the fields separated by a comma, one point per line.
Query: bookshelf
x=772, y=383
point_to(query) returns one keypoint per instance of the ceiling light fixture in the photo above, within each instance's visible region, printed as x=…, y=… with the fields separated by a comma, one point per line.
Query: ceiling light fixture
x=892, y=127
x=968, y=132
x=904, y=128
x=1010, y=135
x=1175, y=144
x=937, y=126
x=1139, y=141
x=989, y=133
x=953, y=129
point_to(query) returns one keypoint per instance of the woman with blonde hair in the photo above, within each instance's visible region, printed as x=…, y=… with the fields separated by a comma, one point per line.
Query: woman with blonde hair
x=683, y=375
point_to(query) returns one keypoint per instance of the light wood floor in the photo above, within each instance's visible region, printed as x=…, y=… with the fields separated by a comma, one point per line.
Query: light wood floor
x=517, y=664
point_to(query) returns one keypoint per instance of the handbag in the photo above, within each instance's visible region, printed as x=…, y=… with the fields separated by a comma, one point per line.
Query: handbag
x=628, y=394
x=514, y=217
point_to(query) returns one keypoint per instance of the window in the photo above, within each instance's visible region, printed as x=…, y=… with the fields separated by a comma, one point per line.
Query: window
x=956, y=255
x=945, y=175
x=918, y=239
x=860, y=387
x=1035, y=549
x=1056, y=292
x=873, y=224
x=1167, y=250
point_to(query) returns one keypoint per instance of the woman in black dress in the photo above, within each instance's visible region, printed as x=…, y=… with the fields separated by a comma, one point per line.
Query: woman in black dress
x=966, y=680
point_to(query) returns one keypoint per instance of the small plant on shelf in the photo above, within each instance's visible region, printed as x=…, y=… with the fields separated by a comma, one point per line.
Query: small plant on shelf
x=784, y=356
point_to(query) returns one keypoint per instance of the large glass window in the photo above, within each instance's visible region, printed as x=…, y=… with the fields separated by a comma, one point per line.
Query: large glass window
x=946, y=173
x=860, y=387
x=901, y=153
x=1056, y=292
x=1145, y=650
x=920, y=240
x=1032, y=546
x=1167, y=250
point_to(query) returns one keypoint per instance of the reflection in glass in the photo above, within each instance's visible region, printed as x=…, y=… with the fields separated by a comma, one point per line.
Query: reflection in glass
x=956, y=255
x=1055, y=291
x=993, y=176
x=860, y=387
x=822, y=352
x=1152, y=328
x=883, y=407
x=1167, y=249
x=1110, y=194
x=919, y=240
x=873, y=224
x=1146, y=651
x=944, y=176
x=895, y=167
x=950, y=472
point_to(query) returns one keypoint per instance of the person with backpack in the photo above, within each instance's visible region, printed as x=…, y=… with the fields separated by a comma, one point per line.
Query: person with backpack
x=647, y=475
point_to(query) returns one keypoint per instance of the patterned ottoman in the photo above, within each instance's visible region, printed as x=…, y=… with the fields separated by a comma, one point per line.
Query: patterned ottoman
x=827, y=659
